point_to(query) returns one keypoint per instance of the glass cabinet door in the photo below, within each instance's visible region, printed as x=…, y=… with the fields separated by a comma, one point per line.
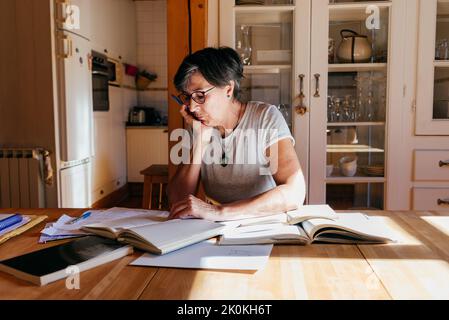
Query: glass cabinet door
x=433, y=69
x=441, y=82
x=272, y=37
x=350, y=104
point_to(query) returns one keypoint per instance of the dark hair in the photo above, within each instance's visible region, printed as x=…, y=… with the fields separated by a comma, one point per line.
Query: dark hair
x=219, y=66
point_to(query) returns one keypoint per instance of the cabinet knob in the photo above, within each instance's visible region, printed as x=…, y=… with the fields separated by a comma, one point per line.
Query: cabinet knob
x=443, y=202
x=444, y=164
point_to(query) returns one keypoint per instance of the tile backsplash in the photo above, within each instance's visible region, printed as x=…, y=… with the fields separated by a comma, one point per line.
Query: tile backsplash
x=152, y=51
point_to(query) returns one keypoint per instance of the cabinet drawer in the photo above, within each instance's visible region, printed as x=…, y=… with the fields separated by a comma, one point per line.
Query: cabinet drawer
x=431, y=165
x=431, y=199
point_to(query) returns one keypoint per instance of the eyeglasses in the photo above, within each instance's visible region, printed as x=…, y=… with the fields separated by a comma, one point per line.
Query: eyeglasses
x=197, y=96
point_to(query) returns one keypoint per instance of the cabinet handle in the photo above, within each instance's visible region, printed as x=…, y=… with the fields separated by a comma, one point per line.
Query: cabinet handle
x=65, y=55
x=317, y=90
x=443, y=202
x=301, y=109
x=444, y=164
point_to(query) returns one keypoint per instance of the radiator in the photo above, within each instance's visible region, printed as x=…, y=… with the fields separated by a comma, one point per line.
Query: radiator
x=22, y=183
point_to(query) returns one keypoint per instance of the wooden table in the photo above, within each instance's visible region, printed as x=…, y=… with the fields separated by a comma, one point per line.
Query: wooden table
x=416, y=268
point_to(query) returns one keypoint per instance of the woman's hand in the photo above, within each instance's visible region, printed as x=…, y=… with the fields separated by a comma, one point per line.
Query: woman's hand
x=200, y=131
x=192, y=207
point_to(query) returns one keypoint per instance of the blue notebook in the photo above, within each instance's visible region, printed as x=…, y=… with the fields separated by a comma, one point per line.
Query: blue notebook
x=10, y=221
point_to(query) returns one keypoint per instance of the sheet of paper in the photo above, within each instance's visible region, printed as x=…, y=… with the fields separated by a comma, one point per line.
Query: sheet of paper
x=44, y=238
x=51, y=230
x=208, y=255
x=105, y=216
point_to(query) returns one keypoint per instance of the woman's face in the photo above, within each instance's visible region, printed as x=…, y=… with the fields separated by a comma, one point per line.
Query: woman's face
x=213, y=111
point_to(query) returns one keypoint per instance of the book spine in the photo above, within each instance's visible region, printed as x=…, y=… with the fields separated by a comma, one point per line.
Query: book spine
x=10, y=221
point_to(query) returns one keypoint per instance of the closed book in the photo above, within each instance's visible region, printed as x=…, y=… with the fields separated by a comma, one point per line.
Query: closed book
x=47, y=265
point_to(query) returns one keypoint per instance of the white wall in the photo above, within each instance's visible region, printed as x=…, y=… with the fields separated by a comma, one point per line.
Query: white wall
x=152, y=51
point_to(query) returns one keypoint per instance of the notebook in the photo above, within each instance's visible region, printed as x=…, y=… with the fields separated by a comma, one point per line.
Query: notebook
x=50, y=264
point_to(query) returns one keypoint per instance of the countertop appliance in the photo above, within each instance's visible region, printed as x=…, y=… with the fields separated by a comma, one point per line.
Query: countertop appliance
x=144, y=116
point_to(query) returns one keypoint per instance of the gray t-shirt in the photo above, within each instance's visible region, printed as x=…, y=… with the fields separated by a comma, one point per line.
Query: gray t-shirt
x=248, y=171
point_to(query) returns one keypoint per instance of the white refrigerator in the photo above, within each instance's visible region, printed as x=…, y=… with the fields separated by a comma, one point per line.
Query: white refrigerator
x=75, y=112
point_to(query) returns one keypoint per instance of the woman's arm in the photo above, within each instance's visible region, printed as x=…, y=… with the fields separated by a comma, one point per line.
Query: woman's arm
x=186, y=180
x=288, y=195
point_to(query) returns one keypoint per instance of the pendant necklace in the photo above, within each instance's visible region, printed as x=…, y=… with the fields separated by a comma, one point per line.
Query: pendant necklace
x=224, y=158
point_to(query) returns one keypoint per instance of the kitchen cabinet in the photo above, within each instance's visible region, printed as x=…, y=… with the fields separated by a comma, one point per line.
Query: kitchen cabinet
x=145, y=147
x=432, y=99
x=114, y=29
x=338, y=104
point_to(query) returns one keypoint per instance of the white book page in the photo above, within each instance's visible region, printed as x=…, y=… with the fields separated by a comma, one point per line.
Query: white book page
x=207, y=255
x=353, y=222
x=276, y=218
x=176, y=232
x=311, y=212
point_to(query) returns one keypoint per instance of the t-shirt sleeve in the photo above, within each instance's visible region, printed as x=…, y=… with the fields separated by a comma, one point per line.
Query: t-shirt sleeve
x=274, y=128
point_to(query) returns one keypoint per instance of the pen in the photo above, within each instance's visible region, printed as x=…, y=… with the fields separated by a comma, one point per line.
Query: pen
x=177, y=100
x=85, y=215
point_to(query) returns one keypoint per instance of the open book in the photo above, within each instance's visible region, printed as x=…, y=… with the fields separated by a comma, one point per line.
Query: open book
x=348, y=228
x=147, y=230
x=159, y=238
x=291, y=217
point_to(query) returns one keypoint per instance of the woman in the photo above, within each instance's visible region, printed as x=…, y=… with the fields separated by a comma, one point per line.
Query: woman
x=234, y=142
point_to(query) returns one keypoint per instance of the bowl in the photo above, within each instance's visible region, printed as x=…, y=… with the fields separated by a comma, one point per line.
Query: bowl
x=348, y=166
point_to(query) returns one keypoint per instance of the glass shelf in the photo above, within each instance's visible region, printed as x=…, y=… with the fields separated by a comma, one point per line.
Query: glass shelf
x=354, y=124
x=241, y=4
x=353, y=180
x=354, y=11
x=266, y=69
x=353, y=148
x=356, y=67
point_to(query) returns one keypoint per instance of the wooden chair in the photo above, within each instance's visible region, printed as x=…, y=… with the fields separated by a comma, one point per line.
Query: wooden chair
x=155, y=174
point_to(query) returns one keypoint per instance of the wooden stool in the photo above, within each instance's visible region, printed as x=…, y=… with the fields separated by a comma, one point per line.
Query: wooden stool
x=153, y=174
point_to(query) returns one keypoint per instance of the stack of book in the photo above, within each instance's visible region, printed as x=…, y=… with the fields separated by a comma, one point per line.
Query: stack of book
x=12, y=225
